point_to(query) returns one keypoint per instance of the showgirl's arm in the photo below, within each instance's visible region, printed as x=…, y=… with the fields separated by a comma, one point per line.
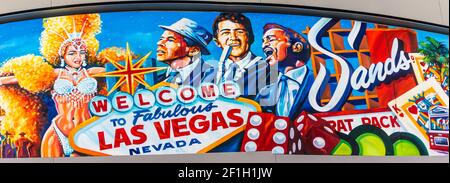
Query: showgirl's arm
x=7, y=80
x=96, y=70
x=30, y=72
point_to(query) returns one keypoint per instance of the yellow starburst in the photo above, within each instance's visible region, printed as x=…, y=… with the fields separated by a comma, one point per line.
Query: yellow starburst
x=130, y=73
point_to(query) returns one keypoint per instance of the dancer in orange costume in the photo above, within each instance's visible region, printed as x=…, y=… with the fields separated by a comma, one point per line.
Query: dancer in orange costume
x=67, y=43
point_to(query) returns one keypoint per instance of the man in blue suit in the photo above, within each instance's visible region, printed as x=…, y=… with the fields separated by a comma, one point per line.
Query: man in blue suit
x=233, y=33
x=288, y=51
x=181, y=46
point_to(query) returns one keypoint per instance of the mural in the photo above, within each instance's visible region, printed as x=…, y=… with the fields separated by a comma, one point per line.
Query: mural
x=143, y=83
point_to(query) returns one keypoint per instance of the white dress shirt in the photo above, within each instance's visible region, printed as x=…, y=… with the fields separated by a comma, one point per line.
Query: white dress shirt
x=242, y=64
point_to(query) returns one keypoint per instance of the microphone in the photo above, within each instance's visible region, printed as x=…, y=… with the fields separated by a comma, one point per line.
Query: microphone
x=225, y=54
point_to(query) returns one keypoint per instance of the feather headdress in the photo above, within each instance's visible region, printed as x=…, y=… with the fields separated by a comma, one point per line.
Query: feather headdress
x=61, y=32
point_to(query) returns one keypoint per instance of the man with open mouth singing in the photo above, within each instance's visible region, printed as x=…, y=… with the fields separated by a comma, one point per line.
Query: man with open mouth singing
x=289, y=51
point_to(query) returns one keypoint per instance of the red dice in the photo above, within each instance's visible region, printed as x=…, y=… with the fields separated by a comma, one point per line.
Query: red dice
x=317, y=136
x=295, y=139
x=266, y=132
x=308, y=134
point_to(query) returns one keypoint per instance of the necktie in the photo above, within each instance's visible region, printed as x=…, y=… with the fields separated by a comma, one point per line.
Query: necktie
x=229, y=76
x=171, y=77
x=285, y=102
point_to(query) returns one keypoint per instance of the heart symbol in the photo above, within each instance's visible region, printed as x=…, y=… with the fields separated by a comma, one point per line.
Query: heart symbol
x=422, y=63
x=412, y=109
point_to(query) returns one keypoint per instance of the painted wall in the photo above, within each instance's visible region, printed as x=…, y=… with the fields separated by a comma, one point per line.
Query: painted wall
x=101, y=84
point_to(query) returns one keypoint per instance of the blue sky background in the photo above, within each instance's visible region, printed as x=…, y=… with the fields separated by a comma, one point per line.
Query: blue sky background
x=141, y=31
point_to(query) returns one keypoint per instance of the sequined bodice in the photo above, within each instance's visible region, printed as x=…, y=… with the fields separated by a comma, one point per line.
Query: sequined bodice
x=85, y=86
x=75, y=93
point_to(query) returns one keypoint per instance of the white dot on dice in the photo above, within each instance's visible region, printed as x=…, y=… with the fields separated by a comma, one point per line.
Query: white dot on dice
x=328, y=129
x=253, y=134
x=255, y=120
x=300, y=119
x=300, y=127
x=312, y=117
x=250, y=146
x=279, y=138
x=280, y=124
x=319, y=142
x=277, y=150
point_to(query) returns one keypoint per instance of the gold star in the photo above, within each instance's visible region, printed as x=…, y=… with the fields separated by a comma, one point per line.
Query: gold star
x=129, y=73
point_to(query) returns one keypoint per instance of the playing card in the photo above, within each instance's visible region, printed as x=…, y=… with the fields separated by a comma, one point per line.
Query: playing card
x=413, y=107
x=423, y=71
x=419, y=66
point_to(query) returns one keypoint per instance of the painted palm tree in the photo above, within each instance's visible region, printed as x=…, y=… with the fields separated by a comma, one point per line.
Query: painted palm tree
x=436, y=56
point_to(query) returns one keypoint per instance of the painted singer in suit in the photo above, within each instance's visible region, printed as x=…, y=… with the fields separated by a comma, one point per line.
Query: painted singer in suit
x=181, y=46
x=234, y=34
x=288, y=51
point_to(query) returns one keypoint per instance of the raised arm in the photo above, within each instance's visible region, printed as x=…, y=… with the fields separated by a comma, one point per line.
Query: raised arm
x=31, y=72
x=96, y=70
x=7, y=80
